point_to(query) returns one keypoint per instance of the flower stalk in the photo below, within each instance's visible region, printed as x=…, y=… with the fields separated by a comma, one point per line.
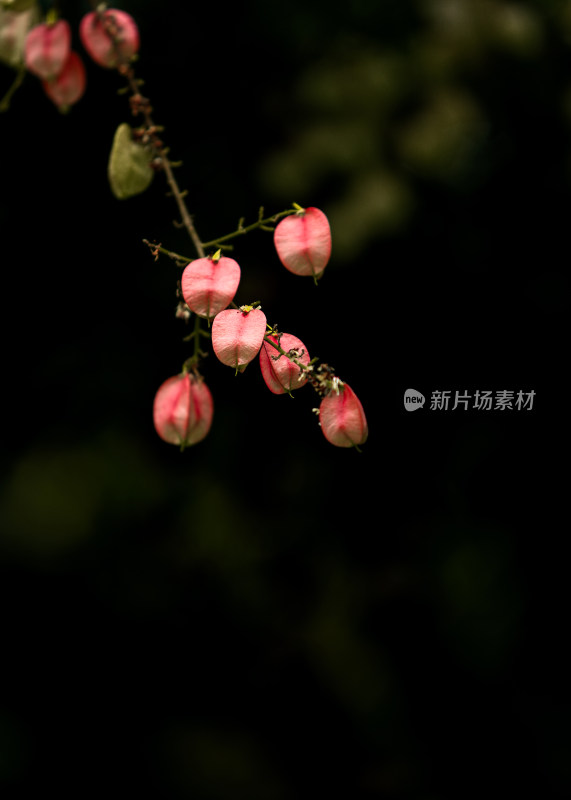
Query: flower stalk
x=183, y=405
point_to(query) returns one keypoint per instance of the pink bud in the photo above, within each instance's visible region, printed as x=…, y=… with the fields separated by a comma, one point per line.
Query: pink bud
x=303, y=242
x=209, y=284
x=108, y=43
x=237, y=335
x=342, y=418
x=47, y=49
x=69, y=85
x=279, y=372
x=183, y=410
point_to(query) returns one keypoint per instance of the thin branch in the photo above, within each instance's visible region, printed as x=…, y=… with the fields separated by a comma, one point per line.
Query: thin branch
x=141, y=105
x=240, y=230
x=5, y=102
x=158, y=248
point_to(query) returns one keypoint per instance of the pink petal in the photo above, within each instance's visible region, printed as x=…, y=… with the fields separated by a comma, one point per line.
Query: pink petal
x=100, y=45
x=238, y=335
x=280, y=374
x=303, y=242
x=183, y=410
x=209, y=286
x=69, y=85
x=47, y=49
x=342, y=418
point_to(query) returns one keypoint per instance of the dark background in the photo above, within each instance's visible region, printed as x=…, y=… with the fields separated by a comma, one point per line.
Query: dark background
x=265, y=615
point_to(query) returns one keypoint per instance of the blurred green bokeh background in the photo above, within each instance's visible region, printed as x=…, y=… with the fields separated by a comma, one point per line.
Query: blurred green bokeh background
x=265, y=616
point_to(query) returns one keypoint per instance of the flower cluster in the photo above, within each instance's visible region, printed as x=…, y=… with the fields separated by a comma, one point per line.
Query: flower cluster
x=183, y=408
x=107, y=36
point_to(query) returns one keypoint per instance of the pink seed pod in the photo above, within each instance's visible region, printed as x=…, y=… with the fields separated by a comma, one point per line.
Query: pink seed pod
x=303, y=242
x=278, y=371
x=47, y=49
x=112, y=41
x=342, y=418
x=237, y=335
x=183, y=410
x=209, y=284
x=69, y=85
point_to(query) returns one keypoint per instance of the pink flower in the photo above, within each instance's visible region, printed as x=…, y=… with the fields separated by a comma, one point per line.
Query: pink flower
x=237, y=335
x=183, y=410
x=209, y=284
x=47, y=49
x=279, y=372
x=303, y=242
x=69, y=85
x=110, y=43
x=342, y=418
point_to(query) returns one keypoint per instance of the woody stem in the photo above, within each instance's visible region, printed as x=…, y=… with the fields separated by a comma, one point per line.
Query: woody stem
x=141, y=105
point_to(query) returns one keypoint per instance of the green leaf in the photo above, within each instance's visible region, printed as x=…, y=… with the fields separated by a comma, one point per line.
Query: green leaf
x=129, y=166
